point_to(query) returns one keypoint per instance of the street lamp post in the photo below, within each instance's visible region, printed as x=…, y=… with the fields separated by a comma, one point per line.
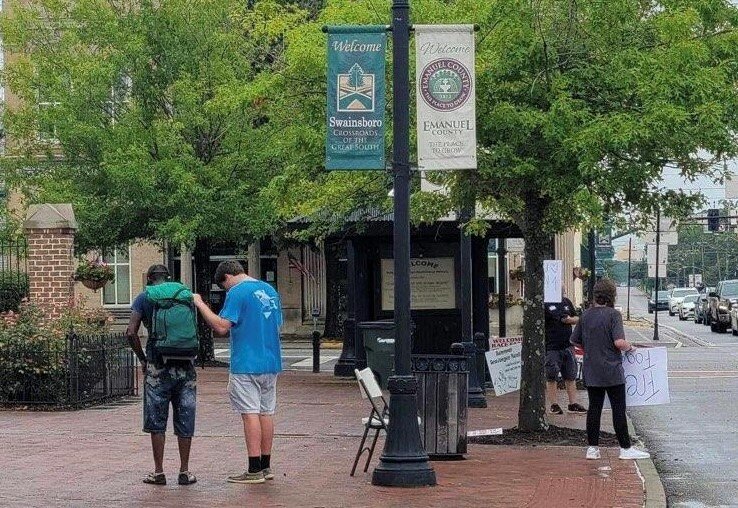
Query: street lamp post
x=404, y=462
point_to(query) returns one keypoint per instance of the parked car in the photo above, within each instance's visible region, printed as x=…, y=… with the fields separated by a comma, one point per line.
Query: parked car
x=700, y=309
x=686, y=307
x=721, y=301
x=663, y=301
x=677, y=295
x=734, y=320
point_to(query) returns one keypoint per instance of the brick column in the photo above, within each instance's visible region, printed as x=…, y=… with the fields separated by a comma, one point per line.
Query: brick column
x=50, y=231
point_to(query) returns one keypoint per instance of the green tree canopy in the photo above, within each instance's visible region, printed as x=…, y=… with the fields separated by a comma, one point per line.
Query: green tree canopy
x=149, y=117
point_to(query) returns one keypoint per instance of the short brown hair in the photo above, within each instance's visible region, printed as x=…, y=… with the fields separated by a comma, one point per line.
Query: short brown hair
x=229, y=267
x=605, y=292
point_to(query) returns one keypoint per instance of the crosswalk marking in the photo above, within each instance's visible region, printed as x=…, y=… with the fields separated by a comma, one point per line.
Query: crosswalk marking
x=292, y=360
x=308, y=362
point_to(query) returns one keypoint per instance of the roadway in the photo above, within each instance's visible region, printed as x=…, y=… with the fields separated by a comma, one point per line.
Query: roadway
x=694, y=440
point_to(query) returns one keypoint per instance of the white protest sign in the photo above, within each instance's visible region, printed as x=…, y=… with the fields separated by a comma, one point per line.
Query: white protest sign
x=504, y=366
x=552, y=269
x=646, y=378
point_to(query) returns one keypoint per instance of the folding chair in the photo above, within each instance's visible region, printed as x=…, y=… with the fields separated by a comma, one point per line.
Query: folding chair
x=378, y=417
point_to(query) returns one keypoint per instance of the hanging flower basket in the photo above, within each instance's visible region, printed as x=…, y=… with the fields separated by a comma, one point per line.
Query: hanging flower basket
x=93, y=274
x=93, y=284
x=518, y=273
x=581, y=273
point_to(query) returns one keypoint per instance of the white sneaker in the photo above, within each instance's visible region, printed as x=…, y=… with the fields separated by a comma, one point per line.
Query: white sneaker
x=633, y=454
x=593, y=453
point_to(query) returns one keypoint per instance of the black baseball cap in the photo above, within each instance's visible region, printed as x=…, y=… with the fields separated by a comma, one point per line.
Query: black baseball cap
x=155, y=270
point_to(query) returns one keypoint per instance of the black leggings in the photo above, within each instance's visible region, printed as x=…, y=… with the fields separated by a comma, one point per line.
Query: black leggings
x=616, y=394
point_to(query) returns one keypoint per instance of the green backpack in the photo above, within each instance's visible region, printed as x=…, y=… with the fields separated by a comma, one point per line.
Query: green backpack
x=174, y=321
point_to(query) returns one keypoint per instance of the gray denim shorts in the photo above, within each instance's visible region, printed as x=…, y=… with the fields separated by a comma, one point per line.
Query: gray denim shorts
x=253, y=393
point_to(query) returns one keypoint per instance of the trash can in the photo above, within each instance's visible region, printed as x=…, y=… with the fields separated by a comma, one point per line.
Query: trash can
x=442, y=402
x=379, y=344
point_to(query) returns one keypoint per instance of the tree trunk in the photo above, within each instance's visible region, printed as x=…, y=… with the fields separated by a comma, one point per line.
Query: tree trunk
x=532, y=411
x=204, y=278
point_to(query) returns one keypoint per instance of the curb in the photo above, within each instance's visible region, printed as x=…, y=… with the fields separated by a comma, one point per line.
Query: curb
x=655, y=495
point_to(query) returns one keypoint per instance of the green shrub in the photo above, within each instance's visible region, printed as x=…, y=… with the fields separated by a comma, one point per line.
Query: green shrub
x=34, y=352
x=13, y=289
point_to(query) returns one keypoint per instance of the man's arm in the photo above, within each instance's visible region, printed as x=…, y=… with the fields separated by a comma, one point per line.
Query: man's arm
x=219, y=325
x=132, y=334
x=570, y=320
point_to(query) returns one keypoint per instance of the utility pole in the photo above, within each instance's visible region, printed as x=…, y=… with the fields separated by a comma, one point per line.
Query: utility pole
x=656, y=285
x=404, y=462
x=630, y=252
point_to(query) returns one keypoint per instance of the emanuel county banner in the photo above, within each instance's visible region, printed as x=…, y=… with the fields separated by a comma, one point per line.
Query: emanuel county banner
x=356, y=56
x=447, y=130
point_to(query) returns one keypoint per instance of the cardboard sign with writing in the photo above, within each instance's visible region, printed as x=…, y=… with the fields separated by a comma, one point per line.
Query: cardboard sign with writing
x=504, y=366
x=646, y=377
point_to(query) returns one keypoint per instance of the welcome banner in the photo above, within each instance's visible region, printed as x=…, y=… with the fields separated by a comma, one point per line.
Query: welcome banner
x=356, y=97
x=447, y=129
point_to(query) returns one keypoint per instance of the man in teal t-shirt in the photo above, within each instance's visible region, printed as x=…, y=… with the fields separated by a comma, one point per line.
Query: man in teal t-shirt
x=252, y=313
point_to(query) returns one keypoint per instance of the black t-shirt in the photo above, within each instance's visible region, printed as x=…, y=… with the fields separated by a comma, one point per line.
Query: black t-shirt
x=558, y=333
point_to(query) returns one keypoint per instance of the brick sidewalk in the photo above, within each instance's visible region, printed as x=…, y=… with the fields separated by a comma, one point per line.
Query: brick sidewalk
x=98, y=456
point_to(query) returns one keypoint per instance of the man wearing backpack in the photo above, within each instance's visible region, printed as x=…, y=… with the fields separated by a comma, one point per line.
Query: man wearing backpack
x=252, y=313
x=167, y=311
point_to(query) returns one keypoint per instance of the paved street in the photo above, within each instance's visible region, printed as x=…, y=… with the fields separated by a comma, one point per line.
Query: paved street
x=693, y=439
x=96, y=457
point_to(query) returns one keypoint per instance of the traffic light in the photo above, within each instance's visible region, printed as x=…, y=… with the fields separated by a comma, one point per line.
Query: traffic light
x=713, y=219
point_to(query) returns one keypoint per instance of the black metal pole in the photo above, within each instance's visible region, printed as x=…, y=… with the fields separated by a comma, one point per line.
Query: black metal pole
x=593, y=270
x=630, y=252
x=656, y=284
x=502, y=287
x=475, y=394
x=404, y=462
x=347, y=361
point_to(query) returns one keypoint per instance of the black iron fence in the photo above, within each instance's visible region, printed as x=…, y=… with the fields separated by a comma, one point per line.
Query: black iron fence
x=13, y=276
x=74, y=371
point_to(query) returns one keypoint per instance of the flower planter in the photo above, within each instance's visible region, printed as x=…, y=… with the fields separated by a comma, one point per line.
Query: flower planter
x=94, y=284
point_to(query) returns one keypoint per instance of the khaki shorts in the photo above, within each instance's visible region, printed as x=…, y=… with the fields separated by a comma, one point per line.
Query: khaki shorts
x=253, y=393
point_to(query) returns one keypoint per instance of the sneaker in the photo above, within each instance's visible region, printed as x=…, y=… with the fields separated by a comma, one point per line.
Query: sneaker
x=577, y=408
x=593, y=453
x=247, y=477
x=268, y=475
x=186, y=478
x=556, y=409
x=633, y=454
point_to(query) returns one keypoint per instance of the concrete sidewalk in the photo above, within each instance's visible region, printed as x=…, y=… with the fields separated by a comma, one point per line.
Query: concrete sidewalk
x=97, y=457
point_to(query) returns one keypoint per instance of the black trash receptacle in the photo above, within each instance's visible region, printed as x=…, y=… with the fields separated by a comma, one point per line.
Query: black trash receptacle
x=442, y=402
x=379, y=344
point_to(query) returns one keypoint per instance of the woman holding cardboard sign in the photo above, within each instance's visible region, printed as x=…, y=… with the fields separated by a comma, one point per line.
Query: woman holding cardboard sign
x=600, y=331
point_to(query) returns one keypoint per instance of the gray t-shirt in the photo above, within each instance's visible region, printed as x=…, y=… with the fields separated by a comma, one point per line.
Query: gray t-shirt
x=597, y=331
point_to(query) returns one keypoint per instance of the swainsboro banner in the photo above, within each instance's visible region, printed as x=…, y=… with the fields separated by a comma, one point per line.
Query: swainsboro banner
x=356, y=97
x=447, y=130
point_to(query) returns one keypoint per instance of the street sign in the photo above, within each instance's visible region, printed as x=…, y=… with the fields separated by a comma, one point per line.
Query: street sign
x=668, y=232
x=663, y=254
x=652, y=271
x=695, y=279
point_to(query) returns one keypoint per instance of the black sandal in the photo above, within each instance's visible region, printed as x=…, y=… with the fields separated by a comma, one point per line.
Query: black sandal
x=155, y=479
x=186, y=478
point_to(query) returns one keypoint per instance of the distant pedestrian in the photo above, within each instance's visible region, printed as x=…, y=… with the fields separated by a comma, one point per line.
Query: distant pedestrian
x=252, y=313
x=167, y=365
x=560, y=317
x=600, y=331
